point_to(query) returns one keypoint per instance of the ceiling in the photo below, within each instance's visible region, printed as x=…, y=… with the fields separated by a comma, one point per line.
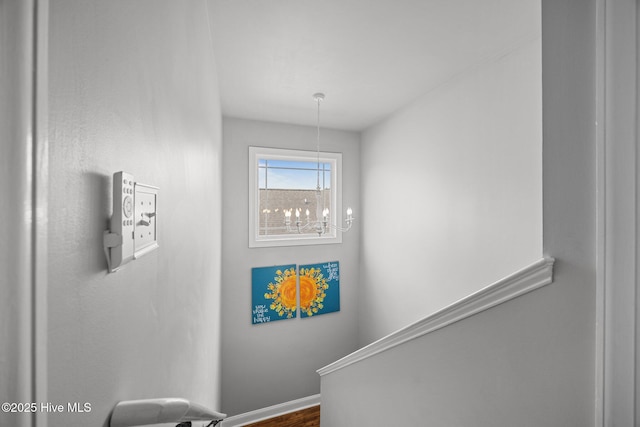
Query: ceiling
x=369, y=57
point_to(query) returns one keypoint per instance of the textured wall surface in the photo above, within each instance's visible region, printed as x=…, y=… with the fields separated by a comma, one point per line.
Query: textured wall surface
x=133, y=87
x=528, y=362
x=16, y=41
x=452, y=192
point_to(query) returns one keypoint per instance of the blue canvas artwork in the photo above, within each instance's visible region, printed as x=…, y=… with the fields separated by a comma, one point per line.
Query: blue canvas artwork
x=273, y=293
x=319, y=288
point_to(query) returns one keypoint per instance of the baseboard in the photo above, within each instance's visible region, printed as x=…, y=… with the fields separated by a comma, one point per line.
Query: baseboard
x=271, y=411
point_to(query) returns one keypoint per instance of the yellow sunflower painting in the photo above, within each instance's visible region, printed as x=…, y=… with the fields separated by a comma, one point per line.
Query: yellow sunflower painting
x=282, y=293
x=313, y=287
x=319, y=288
x=273, y=293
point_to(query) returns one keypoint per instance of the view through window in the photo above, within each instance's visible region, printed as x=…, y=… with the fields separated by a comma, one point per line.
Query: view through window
x=298, y=190
x=292, y=192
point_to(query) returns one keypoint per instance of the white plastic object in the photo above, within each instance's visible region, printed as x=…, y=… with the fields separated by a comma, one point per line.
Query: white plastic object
x=118, y=243
x=129, y=413
x=133, y=228
x=145, y=212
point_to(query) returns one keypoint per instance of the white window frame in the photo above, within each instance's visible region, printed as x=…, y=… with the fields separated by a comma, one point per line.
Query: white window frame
x=332, y=236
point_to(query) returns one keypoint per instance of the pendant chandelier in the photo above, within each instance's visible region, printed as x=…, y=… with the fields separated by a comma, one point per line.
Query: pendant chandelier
x=322, y=222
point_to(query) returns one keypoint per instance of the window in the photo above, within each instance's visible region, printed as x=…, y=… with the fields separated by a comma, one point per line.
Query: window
x=293, y=196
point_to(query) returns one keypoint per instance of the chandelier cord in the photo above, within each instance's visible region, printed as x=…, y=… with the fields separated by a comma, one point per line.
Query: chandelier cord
x=318, y=99
x=322, y=222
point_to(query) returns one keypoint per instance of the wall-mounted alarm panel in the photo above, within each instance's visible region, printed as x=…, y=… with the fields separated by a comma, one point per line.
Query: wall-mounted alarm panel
x=133, y=225
x=145, y=236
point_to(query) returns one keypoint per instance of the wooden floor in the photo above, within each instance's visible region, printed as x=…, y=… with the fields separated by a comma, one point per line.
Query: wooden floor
x=309, y=417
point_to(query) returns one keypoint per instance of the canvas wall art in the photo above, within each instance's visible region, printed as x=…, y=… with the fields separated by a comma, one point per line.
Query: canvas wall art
x=319, y=288
x=273, y=293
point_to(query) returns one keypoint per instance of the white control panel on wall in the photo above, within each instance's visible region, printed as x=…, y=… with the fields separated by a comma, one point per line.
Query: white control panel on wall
x=145, y=209
x=133, y=226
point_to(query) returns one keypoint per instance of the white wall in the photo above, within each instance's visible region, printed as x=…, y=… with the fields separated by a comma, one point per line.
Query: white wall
x=451, y=191
x=619, y=214
x=531, y=361
x=276, y=362
x=133, y=87
x=16, y=207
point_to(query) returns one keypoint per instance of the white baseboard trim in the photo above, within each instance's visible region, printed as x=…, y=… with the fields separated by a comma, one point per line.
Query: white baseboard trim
x=526, y=280
x=271, y=411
